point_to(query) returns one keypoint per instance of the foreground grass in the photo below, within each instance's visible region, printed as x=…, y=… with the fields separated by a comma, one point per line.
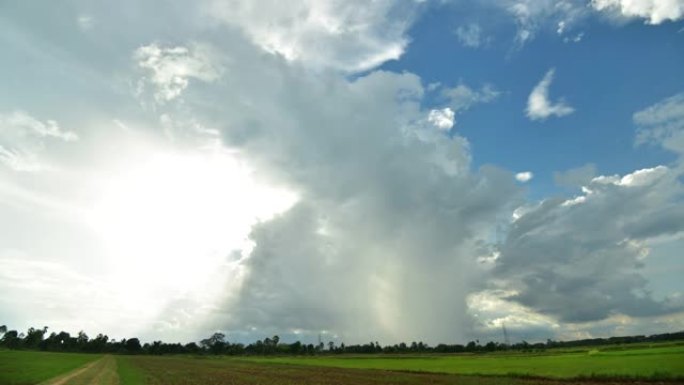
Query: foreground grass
x=643, y=363
x=28, y=368
x=129, y=373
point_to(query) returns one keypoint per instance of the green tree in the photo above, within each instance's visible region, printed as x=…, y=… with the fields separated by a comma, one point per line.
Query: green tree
x=215, y=344
x=133, y=346
x=10, y=339
x=34, y=337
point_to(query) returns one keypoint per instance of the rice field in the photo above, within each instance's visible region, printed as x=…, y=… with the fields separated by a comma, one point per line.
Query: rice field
x=633, y=365
x=643, y=362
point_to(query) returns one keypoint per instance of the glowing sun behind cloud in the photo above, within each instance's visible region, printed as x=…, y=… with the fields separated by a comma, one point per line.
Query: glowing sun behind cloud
x=172, y=221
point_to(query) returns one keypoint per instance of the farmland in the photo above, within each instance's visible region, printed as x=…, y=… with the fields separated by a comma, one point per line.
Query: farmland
x=641, y=362
x=26, y=367
x=637, y=364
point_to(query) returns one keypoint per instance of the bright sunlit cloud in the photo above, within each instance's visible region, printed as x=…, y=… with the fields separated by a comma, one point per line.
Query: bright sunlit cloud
x=175, y=218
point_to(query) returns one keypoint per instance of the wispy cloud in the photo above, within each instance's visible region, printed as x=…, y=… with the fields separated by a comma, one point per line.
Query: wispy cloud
x=23, y=138
x=170, y=69
x=470, y=35
x=663, y=124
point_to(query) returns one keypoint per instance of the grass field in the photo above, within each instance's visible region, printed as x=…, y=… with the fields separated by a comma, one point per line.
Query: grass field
x=24, y=368
x=643, y=362
x=224, y=371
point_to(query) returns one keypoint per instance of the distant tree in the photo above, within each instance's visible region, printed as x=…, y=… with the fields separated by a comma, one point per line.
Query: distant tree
x=97, y=344
x=34, y=337
x=10, y=339
x=215, y=344
x=3, y=329
x=471, y=346
x=296, y=348
x=133, y=346
x=82, y=341
x=331, y=346
x=191, y=348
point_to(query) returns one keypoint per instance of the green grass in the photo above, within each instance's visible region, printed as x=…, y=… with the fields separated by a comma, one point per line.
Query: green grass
x=24, y=367
x=129, y=373
x=646, y=363
x=617, y=363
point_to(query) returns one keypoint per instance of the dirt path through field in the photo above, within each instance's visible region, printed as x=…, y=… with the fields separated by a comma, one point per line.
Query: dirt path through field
x=100, y=372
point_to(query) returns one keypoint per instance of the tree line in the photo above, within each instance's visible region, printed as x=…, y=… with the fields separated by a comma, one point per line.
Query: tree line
x=217, y=344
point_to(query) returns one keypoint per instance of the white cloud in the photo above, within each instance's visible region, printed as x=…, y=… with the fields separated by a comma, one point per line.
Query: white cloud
x=540, y=107
x=36, y=287
x=470, y=35
x=654, y=11
x=663, y=124
x=340, y=34
x=23, y=138
x=85, y=22
x=170, y=69
x=561, y=27
x=342, y=236
x=580, y=259
x=533, y=15
x=462, y=97
x=524, y=176
x=442, y=119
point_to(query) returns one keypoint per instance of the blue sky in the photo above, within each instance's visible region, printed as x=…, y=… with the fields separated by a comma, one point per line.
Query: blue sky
x=615, y=70
x=388, y=171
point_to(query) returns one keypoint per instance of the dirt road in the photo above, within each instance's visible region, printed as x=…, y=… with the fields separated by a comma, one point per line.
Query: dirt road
x=100, y=372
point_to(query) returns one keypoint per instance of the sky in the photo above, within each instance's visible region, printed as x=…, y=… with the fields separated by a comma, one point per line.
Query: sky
x=407, y=170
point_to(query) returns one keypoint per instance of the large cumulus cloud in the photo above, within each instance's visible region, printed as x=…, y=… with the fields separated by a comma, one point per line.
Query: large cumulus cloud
x=581, y=259
x=391, y=217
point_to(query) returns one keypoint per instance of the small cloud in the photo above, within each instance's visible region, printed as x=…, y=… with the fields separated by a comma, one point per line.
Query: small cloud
x=85, y=22
x=470, y=35
x=442, y=119
x=561, y=27
x=463, y=97
x=574, y=39
x=539, y=107
x=171, y=68
x=524, y=176
x=532, y=16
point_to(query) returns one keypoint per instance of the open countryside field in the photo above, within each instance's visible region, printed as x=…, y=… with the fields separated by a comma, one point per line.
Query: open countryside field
x=586, y=366
x=218, y=371
x=26, y=367
x=642, y=362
